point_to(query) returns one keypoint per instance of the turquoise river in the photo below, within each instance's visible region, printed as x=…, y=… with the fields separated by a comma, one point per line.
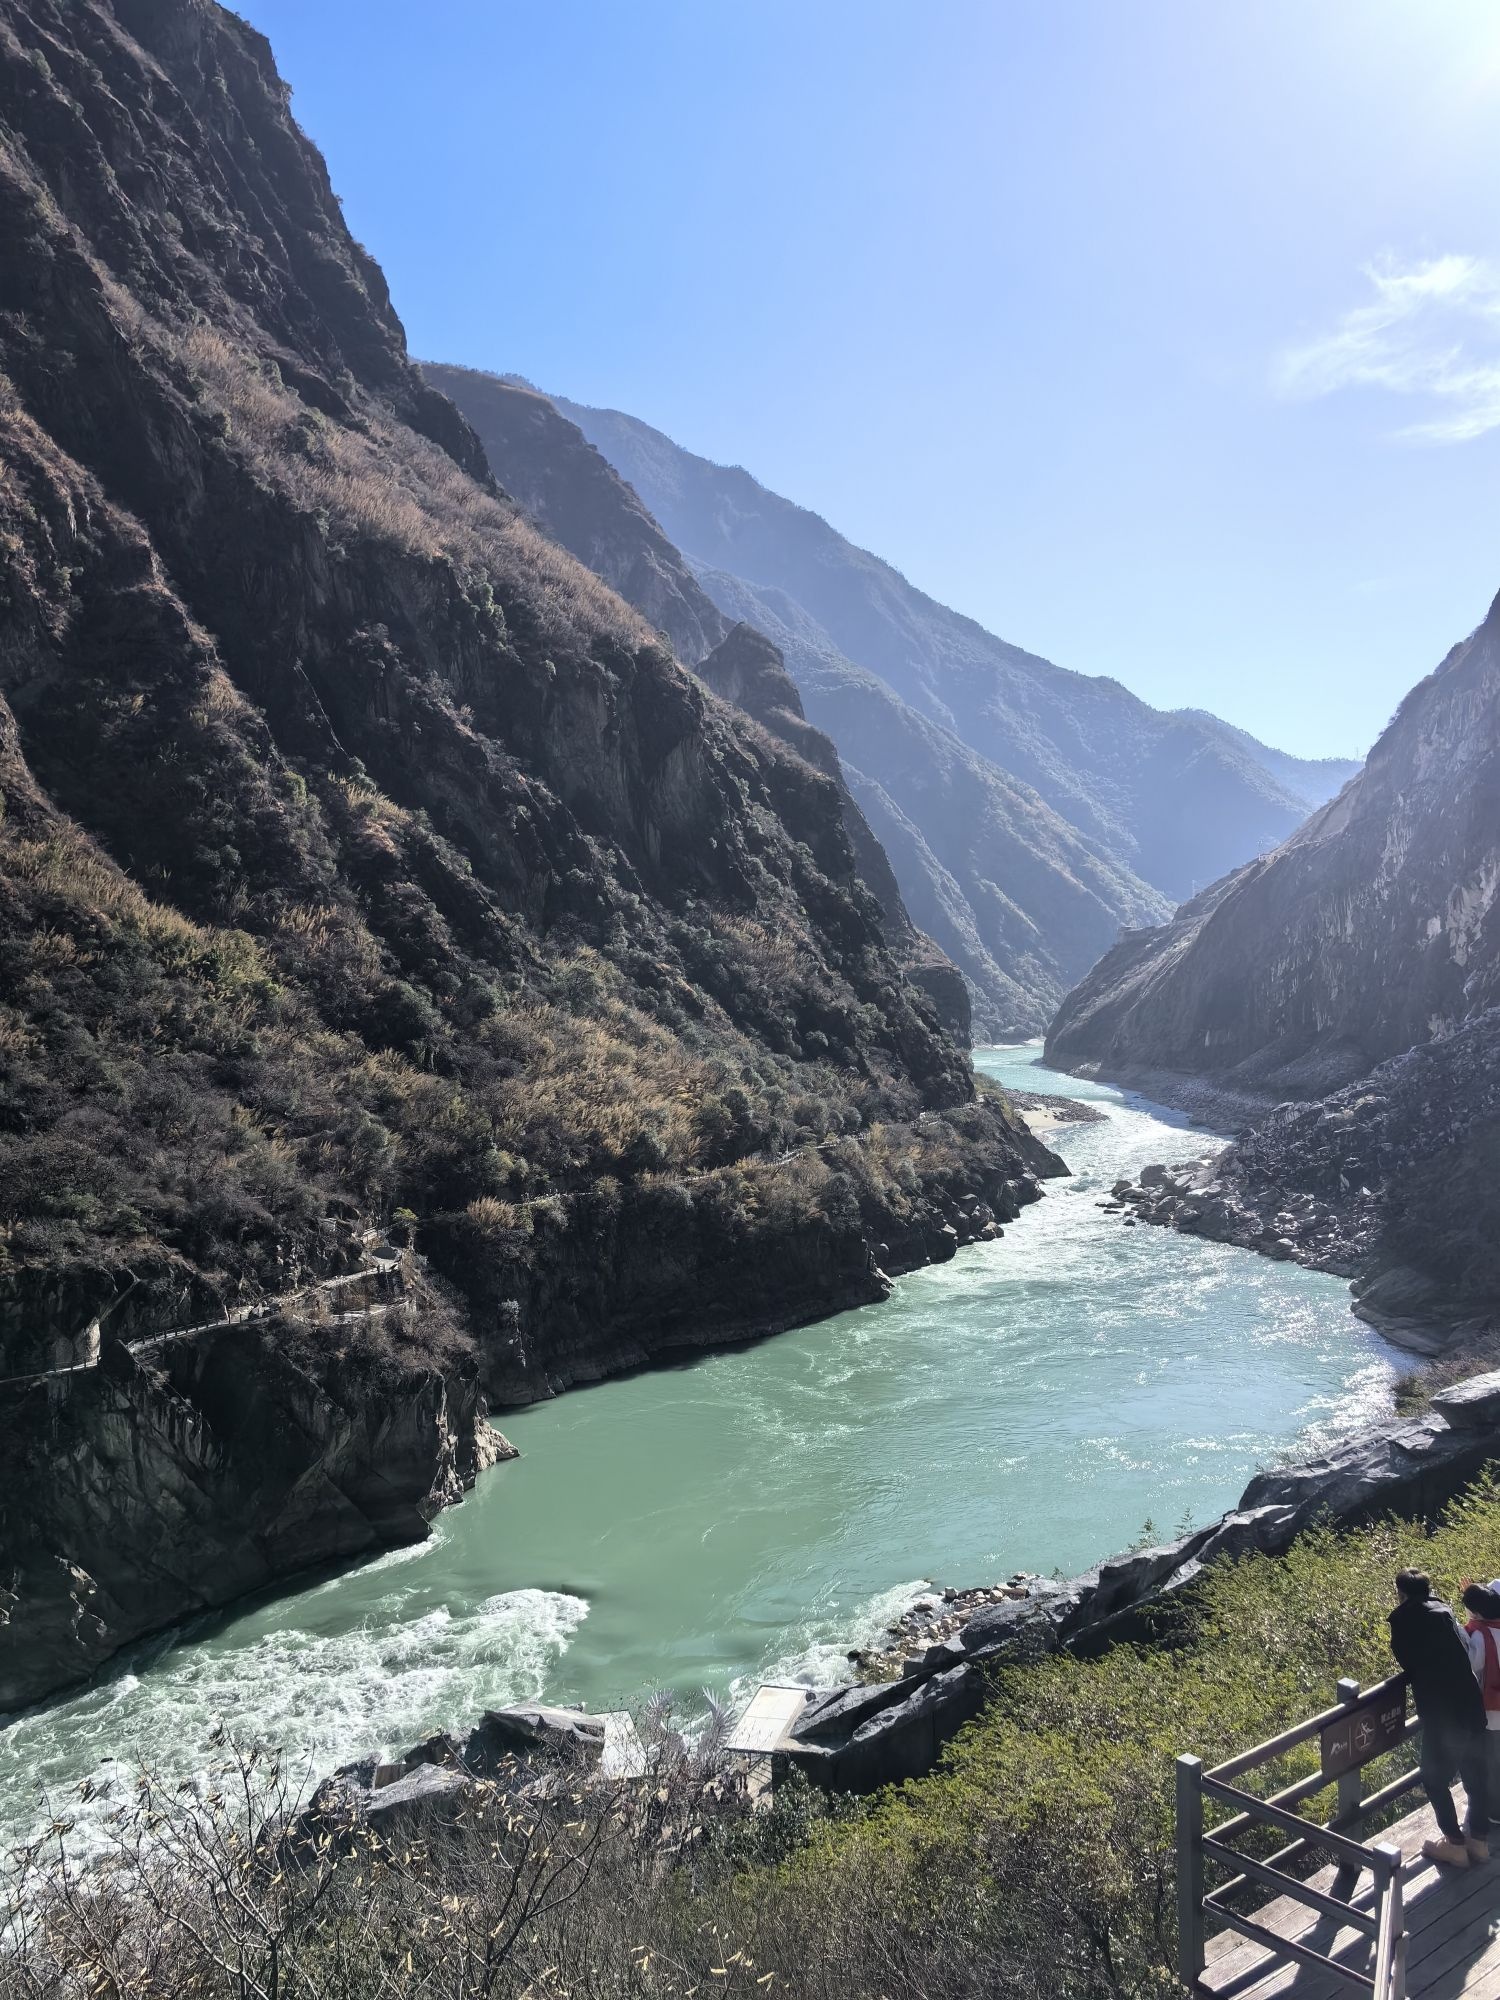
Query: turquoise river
x=1027, y=1406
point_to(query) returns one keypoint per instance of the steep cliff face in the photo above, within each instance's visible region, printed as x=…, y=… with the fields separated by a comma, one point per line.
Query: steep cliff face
x=1356, y=973
x=1374, y=928
x=144, y=1490
x=362, y=855
x=577, y=498
x=1016, y=897
x=1157, y=802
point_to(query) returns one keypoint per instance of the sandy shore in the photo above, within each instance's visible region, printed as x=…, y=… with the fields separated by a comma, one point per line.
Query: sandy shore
x=1044, y=1113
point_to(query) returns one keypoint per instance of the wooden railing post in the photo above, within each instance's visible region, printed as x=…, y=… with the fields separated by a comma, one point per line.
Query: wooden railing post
x=1390, y=1943
x=1351, y=1784
x=1351, y=1791
x=1190, y=1958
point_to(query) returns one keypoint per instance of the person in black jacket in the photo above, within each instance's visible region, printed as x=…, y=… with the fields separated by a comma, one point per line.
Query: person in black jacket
x=1430, y=1651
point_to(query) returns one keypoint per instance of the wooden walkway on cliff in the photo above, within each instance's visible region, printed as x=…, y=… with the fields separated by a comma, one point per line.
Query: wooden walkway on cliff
x=1375, y=1918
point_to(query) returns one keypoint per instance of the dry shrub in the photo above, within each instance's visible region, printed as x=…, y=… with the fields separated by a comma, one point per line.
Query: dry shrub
x=385, y=480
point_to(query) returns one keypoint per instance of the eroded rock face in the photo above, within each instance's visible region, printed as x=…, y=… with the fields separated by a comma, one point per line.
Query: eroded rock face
x=141, y=1491
x=1340, y=995
x=1373, y=929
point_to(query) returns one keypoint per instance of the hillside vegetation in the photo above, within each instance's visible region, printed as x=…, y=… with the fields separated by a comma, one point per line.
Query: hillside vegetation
x=365, y=859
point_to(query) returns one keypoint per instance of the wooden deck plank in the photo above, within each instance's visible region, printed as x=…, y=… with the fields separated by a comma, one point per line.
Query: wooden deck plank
x=1291, y=1918
x=1452, y=1922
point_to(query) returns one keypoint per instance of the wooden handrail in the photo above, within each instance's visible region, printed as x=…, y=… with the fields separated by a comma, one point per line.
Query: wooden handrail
x=1383, y=1924
x=1357, y=1855
x=1390, y=1946
x=1292, y=1739
x=1284, y=1885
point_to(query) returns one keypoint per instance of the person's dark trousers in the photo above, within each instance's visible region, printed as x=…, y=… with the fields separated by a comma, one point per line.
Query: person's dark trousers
x=1448, y=1752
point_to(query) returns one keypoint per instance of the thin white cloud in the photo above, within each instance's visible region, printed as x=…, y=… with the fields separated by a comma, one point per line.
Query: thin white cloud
x=1431, y=330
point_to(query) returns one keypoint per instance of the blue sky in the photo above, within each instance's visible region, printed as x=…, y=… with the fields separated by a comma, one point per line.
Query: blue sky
x=1163, y=336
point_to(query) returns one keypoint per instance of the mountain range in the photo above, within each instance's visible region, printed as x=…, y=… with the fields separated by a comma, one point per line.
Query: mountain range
x=1029, y=812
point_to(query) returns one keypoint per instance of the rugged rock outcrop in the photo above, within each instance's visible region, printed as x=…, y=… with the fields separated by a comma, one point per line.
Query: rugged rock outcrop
x=154, y=1487
x=1082, y=809
x=572, y=493
x=364, y=858
x=856, y=1738
x=1393, y=1182
x=577, y=499
x=1374, y=928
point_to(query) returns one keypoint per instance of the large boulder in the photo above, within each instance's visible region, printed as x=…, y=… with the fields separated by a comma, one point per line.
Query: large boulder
x=1025, y=1627
x=1473, y=1405
x=899, y=1728
x=1401, y=1468
x=533, y=1732
x=431, y=1791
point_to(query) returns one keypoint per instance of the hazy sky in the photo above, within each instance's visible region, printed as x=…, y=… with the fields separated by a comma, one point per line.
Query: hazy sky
x=1161, y=335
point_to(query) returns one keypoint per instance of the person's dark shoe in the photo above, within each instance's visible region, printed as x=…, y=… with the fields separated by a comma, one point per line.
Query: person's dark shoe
x=1451, y=1853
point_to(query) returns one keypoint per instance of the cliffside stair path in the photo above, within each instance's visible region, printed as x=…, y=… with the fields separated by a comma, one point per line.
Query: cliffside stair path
x=386, y=1269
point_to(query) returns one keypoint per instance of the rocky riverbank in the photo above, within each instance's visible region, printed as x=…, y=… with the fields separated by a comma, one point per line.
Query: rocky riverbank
x=864, y=1735
x=1389, y=1183
x=152, y=1488
x=880, y=1730
x=1044, y=1113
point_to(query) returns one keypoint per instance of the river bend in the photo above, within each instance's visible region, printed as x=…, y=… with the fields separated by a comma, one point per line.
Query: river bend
x=1027, y=1406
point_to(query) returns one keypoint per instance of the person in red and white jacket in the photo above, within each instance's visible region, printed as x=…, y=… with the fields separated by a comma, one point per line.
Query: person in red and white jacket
x=1482, y=1637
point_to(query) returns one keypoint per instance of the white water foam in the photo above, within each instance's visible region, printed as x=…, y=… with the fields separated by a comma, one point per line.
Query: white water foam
x=325, y=1698
x=818, y=1655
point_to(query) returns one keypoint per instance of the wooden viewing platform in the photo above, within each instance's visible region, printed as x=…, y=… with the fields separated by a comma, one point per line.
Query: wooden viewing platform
x=1377, y=1919
x=1452, y=1933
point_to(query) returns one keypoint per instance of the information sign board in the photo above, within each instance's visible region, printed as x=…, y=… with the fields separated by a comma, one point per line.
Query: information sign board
x=1364, y=1731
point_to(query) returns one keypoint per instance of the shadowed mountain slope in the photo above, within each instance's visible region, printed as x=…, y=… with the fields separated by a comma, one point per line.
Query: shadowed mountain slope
x=1311, y=781
x=576, y=496
x=1373, y=928
x=364, y=861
